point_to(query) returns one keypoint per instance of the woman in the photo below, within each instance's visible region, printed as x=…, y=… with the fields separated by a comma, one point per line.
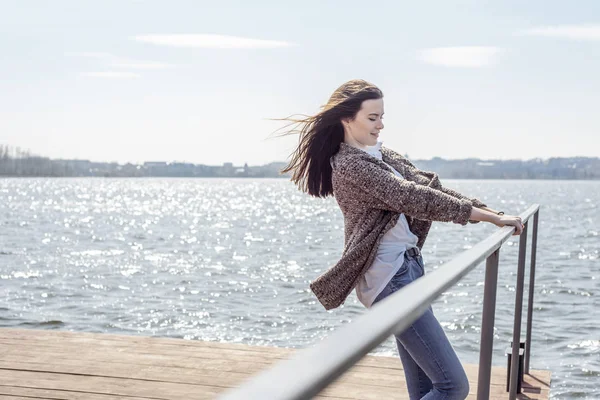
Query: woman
x=388, y=206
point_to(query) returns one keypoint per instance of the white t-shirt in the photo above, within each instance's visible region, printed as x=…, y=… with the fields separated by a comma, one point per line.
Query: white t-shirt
x=390, y=254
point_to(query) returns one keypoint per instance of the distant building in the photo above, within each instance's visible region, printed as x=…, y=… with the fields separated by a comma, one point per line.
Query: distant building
x=153, y=164
x=75, y=163
x=182, y=165
x=244, y=171
x=228, y=169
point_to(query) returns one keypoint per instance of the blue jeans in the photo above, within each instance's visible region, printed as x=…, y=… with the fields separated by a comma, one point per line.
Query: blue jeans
x=431, y=367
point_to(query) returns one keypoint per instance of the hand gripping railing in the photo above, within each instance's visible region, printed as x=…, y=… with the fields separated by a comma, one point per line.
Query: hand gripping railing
x=310, y=370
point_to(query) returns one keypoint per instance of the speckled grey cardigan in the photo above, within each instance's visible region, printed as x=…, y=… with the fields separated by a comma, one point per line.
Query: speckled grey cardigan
x=371, y=198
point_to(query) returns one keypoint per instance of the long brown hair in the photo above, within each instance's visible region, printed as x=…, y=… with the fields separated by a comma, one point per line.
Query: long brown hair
x=321, y=135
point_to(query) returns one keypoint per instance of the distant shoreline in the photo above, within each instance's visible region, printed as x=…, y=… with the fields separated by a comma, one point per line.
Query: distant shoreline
x=23, y=164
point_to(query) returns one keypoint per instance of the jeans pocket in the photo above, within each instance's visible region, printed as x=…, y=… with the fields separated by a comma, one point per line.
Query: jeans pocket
x=396, y=280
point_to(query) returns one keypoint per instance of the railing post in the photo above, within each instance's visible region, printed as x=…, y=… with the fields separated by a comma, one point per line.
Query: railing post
x=531, y=291
x=487, y=326
x=514, y=366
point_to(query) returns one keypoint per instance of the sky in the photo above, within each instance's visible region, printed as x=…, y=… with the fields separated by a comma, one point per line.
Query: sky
x=200, y=81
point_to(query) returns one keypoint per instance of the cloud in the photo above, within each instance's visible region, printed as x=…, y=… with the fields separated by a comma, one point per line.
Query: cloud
x=462, y=56
x=132, y=64
x=111, y=75
x=210, y=41
x=91, y=54
x=113, y=61
x=574, y=32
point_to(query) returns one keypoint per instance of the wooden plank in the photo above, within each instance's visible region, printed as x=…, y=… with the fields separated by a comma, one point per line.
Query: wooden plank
x=216, y=361
x=393, y=382
x=102, y=385
x=144, y=388
x=196, y=373
x=139, y=349
x=113, y=339
x=148, y=373
x=252, y=361
x=60, y=394
x=154, y=346
x=5, y=397
x=158, y=389
x=29, y=393
x=113, y=361
x=75, y=365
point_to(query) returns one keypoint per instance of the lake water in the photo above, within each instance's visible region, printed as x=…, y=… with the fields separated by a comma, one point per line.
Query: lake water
x=231, y=259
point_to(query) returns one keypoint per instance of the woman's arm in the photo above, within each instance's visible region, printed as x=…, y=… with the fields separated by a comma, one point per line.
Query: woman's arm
x=434, y=181
x=382, y=189
x=491, y=210
x=478, y=214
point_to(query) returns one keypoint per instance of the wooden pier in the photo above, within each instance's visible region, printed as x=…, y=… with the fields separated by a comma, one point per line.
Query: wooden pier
x=50, y=364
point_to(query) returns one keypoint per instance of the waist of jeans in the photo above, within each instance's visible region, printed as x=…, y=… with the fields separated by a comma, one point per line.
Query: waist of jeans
x=413, y=252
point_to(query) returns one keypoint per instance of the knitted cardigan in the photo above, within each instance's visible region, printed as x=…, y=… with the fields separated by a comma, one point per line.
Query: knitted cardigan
x=371, y=199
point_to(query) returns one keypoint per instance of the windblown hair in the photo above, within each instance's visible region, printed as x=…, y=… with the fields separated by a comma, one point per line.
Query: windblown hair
x=321, y=135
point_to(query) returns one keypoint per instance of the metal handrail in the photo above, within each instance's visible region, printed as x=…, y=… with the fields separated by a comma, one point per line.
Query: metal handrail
x=310, y=370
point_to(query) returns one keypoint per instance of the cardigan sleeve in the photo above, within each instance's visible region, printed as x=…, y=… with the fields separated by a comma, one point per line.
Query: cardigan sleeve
x=433, y=176
x=435, y=181
x=399, y=195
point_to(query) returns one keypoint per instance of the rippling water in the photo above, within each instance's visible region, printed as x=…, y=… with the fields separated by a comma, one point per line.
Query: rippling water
x=230, y=260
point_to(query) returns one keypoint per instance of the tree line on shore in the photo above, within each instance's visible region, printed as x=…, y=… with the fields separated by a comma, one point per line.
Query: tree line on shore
x=15, y=162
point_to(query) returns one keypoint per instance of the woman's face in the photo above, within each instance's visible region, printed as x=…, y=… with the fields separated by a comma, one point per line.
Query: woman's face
x=364, y=129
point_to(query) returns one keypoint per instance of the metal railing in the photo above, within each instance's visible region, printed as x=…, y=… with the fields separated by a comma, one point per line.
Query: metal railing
x=311, y=370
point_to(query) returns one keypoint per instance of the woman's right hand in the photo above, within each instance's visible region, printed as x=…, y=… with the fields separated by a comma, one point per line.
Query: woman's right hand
x=510, y=220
